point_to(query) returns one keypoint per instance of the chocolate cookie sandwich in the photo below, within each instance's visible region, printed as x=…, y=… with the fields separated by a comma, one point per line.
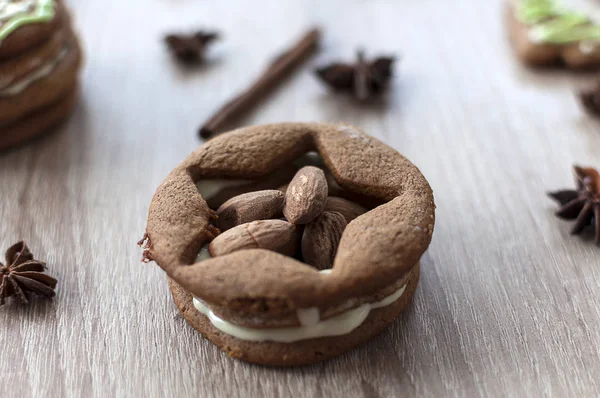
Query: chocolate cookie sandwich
x=291, y=243
x=39, y=62
x=548, y=31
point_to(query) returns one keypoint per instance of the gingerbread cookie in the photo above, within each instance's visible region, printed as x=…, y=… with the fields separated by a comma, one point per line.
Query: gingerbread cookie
x=545, y=32
x=258, y=298
x=38, y=122
x=40, y=58
x=25, y=24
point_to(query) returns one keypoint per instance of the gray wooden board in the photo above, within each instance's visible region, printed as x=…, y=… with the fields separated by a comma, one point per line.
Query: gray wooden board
x=508, y=300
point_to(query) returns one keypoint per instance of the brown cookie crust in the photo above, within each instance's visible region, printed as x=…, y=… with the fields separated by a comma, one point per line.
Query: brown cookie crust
x=29, y=36
x=46, y=90
x=302, y=352
x=37, y=123
x=376, y=248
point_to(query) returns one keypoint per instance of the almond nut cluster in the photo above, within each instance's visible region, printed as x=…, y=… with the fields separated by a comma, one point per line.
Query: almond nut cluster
x=310, y=229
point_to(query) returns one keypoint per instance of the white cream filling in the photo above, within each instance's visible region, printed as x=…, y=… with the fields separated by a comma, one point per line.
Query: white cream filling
x=311, y=324
x=588, y=46
x=536, y=35
x=42, y=72
x=209, y=188
x=204, y=254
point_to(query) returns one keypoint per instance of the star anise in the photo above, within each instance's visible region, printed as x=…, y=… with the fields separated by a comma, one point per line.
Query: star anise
x=362, y=79
x=590, y=100
x=582, y=204
x=190, y=48
x=22, y=274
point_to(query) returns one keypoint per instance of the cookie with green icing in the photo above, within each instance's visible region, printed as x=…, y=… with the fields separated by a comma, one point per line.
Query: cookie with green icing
x=43, y=86
x=547, y=31
x=25, y=24
x=40, y=59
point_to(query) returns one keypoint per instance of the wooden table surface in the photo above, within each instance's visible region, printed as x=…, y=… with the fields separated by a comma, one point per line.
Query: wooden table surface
x=508, y=302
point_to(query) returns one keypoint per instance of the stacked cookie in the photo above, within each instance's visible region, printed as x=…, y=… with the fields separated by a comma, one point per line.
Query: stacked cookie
x=39, y=62
x=345, y=274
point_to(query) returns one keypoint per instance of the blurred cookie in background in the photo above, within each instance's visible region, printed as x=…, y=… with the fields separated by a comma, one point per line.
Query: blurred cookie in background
x=40, y=58
x=547, y=32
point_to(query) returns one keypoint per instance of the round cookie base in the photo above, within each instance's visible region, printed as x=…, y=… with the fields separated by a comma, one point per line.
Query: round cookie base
x=39, y=123
x=302, y=352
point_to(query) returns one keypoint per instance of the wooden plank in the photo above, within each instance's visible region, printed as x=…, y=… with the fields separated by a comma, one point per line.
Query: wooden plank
x=508, y=301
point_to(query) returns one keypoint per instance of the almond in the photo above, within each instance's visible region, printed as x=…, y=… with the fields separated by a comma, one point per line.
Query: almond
x=348, y=209
x=321, y=238
x=251, y=206
x=305, y=196
x=276, y=235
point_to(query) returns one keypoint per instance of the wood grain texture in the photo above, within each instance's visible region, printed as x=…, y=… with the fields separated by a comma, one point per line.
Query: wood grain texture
x=508, y=302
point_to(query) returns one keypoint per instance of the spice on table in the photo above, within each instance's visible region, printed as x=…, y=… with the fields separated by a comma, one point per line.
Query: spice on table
x=145, y=244
x=282, y=66
x=363, y=79
x=190, y=48
x=590, y=100
x=23, y=274
x=583, y=203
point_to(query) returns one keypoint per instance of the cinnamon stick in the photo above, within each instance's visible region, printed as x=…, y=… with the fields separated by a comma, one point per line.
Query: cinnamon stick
x=281, y=67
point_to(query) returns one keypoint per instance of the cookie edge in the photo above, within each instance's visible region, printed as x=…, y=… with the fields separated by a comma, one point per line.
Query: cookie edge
x=299, y=353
